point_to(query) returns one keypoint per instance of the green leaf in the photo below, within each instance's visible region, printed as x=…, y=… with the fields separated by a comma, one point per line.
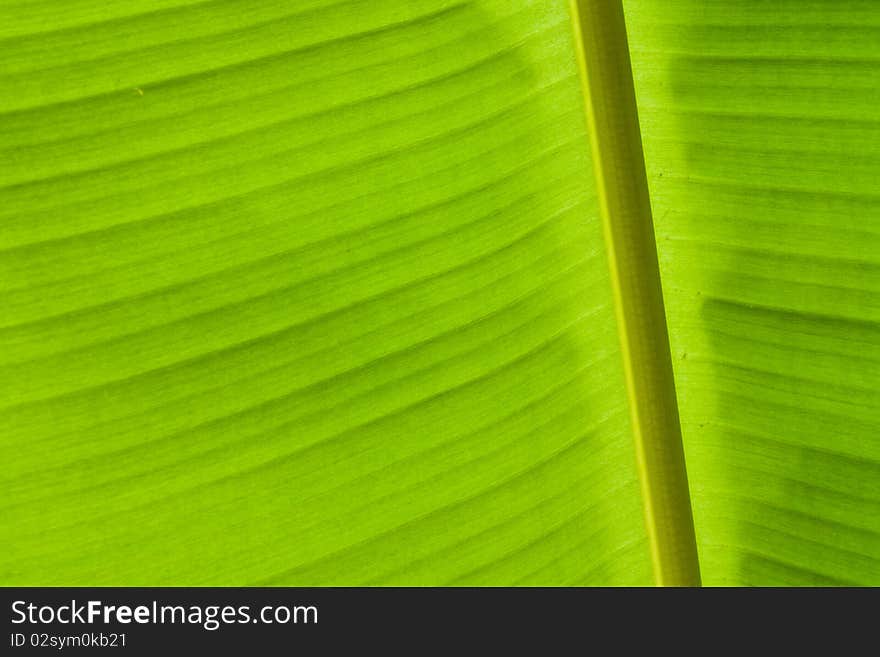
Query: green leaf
x=317, y=293
x=305, y=293
x=761, y=124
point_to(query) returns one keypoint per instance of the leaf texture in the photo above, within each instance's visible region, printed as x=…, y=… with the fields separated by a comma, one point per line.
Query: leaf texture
x=761, y=124
x=305, y=293
x=315, y=292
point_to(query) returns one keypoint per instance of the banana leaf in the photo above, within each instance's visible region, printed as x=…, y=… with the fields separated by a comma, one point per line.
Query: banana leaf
x=761, y=127
x=317, y=293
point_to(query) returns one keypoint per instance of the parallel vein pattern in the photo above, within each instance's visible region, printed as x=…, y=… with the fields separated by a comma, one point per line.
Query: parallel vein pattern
x=761, y=125
x=304, y=293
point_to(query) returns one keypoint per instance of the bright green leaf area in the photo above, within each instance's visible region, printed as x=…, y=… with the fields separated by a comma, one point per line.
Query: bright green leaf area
x=761, y=128
x=305, y=293
x=316, y=292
